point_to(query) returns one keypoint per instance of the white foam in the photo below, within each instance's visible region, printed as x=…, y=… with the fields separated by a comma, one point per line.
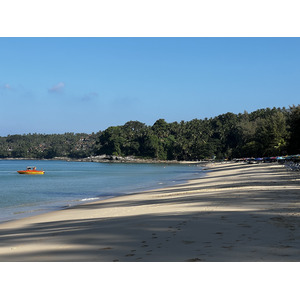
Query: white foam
x=89, y=199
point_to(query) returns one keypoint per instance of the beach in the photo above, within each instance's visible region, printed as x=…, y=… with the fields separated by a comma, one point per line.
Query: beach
x=236, y=213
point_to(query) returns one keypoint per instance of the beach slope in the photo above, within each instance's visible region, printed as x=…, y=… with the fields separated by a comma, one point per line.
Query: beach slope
x=237, y=212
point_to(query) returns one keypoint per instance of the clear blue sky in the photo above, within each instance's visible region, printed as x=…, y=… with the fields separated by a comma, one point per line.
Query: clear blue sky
x=57, y=85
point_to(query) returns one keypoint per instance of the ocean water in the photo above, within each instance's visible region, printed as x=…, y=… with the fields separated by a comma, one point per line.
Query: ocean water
x=66, y=184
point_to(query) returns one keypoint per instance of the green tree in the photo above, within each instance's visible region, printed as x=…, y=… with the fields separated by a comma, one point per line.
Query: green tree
x=294, y=122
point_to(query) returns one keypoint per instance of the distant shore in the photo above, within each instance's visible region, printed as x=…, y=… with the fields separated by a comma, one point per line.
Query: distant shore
x=238, y=212
x=116, y=159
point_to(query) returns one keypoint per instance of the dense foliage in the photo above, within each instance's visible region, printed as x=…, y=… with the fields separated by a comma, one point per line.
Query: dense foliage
x=47, y=146
x=264, y=132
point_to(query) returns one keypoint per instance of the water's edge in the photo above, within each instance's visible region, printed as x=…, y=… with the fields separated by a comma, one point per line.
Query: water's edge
x=39, y=209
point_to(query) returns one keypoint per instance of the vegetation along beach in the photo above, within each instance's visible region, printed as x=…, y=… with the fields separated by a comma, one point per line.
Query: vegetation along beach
x=242, y=209
x=263, y=132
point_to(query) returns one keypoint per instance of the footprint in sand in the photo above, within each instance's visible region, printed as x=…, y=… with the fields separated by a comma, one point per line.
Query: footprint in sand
x=285, y=246
x=193, y=259
x=255, y=217
x=188, y=242
x=105, y=248
x=144, y=244
x=227, y=247
x=245, y=225
x=154, y=236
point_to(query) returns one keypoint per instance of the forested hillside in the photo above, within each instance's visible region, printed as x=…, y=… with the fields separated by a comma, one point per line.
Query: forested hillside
x=264, y=132
x=47, y=146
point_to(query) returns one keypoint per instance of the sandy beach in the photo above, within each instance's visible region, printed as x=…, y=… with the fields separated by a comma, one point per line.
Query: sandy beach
x=236, y=213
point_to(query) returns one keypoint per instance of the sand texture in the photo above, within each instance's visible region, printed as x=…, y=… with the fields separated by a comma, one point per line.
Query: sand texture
x=237, y=212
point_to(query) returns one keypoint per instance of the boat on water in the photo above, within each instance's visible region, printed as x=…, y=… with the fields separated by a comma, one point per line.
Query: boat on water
x=31, y=171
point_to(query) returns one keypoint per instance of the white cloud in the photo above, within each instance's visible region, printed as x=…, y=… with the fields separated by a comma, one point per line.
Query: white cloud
x=57, y=88
x=6, y=86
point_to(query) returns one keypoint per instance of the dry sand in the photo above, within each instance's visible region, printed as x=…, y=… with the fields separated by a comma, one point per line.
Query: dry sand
x=237, y=213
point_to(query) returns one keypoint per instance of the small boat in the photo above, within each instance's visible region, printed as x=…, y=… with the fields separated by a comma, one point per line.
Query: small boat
x=31, y=171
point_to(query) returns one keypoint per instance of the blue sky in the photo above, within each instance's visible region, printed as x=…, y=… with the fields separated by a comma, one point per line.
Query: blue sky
x=57, y=85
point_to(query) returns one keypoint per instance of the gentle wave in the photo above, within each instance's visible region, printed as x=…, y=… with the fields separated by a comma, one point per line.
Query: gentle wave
x=90, y=199
x=67, y=184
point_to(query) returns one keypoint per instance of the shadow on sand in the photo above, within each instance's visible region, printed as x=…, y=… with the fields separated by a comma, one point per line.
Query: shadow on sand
x=267, y=229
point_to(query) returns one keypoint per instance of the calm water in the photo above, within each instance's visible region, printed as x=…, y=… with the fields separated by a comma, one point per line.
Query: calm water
x=72, y=183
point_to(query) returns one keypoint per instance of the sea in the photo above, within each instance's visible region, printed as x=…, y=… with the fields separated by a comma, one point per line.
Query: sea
x=67, y=184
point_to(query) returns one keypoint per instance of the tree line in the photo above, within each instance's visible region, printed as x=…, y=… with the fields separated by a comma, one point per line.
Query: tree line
x=47, y=146
x=262, y=133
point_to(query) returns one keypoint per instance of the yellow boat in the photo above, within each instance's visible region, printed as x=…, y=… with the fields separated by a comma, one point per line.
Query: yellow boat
x=31, y=171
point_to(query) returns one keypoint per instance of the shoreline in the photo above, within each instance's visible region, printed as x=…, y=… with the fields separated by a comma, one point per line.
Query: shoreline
x=38, y=209
x=112, y=159
x=237, y=212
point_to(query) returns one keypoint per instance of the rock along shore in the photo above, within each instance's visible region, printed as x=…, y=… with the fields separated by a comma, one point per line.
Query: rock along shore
x=115, y=159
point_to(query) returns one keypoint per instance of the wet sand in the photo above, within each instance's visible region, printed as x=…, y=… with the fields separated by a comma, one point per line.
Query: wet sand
x=237, y=213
